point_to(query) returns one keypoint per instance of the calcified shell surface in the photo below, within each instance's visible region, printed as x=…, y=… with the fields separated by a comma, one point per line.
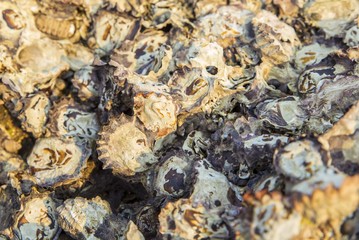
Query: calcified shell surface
x=179, y=119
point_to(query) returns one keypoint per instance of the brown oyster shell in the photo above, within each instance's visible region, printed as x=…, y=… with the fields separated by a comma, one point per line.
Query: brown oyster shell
x=124, y=155
x=276, y=39
x=341, y=141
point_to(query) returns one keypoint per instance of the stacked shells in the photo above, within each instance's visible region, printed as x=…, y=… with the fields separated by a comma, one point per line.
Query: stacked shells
x=173, y=119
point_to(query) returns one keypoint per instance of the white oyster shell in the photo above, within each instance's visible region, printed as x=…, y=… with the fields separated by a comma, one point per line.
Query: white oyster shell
x=111, y=29
x=34, y=114
x=299, y=160
x=37, y=218
x=80, y=217
x=352, y=36
x=54, y=160
x=157, y=112
x=184, y=219
x=124, y=148
x=40, y=64
x=211, y=188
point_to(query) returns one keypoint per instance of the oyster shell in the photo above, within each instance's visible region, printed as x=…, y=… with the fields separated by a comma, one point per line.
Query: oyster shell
x=37, y=218
x=34, y=114
x=331, y=16
x=40, y=64
x=341, y=141
x=157, y=112
x=12, y=23
x=277, y=40
x=172, y=177
x=70, y=120
x=299, y=160
x=80, y=217
x=56, y=160
x=111, y=29
x=123, y=155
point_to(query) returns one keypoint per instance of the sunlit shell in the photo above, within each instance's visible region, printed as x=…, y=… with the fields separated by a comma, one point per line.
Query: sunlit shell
x=11, y=23
x=342, y=140
x=111, y=29
x=37, y=218
x=124, y=155
x=300, y=216
x=11, y=136
x=276, y=40
x=35, y=114
x=69, y=119
x=40, y=64
x=227, y=23
x=164, y=12
x=331, y=16
x=185, y=219
x=54, y=160
x=328, y=69
x=157, y=112
x=9, y=162
x=136, y=8
x=299, y=160
x=80, y=217
x=332, y=97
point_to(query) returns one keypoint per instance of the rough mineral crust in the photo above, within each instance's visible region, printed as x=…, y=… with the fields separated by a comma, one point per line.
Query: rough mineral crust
x=179, y=119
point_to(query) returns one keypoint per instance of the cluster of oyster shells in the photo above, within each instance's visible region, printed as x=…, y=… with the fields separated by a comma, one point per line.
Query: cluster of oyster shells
x=174, y=119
